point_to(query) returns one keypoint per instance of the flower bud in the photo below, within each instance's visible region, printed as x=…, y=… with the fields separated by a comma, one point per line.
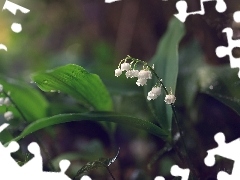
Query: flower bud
x=118, y=72
x=125, y=66
x=8, y=115
x=7, y=101
x=1, y=101
x=145, y=74
x=154, y=93
x=141, y=82
x=170, y=99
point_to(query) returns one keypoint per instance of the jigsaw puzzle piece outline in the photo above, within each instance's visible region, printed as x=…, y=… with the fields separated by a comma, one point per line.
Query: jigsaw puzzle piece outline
x=182, y=6
x=222, y=51
x=176, y=171
x=227, y=150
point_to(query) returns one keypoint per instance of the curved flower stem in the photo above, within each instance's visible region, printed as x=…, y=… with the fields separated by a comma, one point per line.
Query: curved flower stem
x=182, y=140
x=186, y=156
x=110, y=173
x=159, y=154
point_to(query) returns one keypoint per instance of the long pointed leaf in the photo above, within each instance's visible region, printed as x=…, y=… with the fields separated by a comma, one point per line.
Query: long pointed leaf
x=94, y=116
x=166, y=66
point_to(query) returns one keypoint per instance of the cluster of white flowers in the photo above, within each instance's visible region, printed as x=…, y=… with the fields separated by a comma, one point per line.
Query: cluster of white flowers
x=5, y=101
x=143, y=75
x=8, y=115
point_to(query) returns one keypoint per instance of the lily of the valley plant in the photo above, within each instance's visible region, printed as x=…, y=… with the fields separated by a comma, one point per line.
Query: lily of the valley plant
x=129, y=65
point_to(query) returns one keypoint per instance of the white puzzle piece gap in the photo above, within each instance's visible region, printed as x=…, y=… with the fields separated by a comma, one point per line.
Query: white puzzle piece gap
x=111, y=1
x=85, y=177
x=159, y=178
x=181, y=7
x=228, y=150
x=236, y=16
x=177, y=171
x=17, y=28
x=12, y=7
x=2, y=46
x=33, y=169
x=222, y=51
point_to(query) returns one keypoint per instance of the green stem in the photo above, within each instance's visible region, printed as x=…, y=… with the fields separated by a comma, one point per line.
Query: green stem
x=173, y=109
x=182, y=140
x=110, y=173
x=159, y=154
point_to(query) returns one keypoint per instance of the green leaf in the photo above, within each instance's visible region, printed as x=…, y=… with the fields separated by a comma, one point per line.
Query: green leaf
x=165, y=63
x=233, y=103
x=5, y=136
x=222, y=83
x=101, y=162
x=76, y=81
x=94, y=116
x=191, y=61
x=32, y=104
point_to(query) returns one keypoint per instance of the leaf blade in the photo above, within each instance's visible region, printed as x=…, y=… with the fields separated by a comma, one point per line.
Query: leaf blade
x=94, y=116
x=24, y=96
x=76, y=81
x=165, y=63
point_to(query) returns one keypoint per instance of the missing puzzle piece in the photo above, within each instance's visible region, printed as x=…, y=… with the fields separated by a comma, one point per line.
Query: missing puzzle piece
x=222, y=51
x=177, y=171
x=181, y=7
x=34, y=167
x=228, y=150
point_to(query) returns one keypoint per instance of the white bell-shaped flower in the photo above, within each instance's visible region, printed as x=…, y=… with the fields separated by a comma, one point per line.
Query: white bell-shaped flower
x=7, y=101
x=156, y=90
x=151, y=96
x=141, y=82
x=154, y=93
x=170, y=99
x=125, y=66
x=145, y=74
x=135, y=73
x=118, y=72
x=129, y=74
x=132, y=73
x=8, y=115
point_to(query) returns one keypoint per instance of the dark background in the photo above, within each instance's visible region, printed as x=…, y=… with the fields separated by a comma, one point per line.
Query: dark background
x=96, y=35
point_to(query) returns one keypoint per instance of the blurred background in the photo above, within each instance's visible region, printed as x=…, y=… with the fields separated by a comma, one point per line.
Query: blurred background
x=97, y=36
